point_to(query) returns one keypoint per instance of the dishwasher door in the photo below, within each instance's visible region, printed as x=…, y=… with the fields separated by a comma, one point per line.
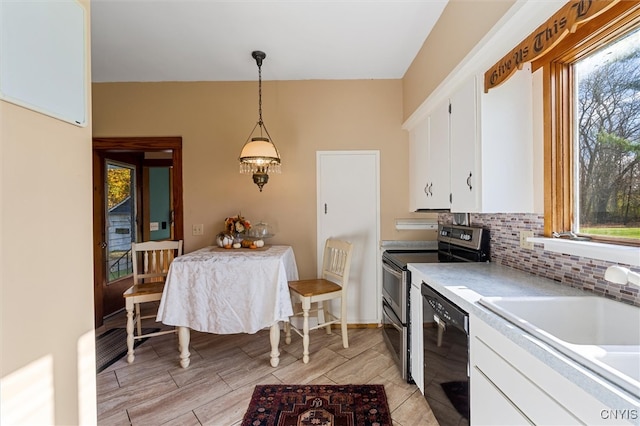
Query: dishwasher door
x=446, y=358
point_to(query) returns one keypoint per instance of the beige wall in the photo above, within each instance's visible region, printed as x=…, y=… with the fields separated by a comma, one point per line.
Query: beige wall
x=214, y=120
x=47, y=350
x=461, y=26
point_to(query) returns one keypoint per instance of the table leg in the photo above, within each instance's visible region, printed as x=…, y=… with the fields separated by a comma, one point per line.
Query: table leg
x=183, y=345
x=274, y=336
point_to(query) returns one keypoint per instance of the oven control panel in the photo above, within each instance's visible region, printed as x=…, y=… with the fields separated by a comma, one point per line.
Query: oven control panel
x=464, y=236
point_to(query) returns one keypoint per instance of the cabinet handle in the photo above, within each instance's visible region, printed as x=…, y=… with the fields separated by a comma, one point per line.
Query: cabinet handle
x=469, y=182
x=427, y=189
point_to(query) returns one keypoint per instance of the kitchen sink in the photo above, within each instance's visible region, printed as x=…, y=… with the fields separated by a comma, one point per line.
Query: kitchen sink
x=601, y=334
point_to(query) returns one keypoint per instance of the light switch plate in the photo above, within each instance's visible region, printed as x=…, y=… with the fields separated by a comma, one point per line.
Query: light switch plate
x=523, y=240
x=197, y=229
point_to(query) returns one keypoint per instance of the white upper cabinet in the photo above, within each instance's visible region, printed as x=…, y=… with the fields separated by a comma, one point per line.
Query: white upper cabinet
x=439, y=187
x=473, y=153
x=465, y=179
x=429, y=161
x=492, y=147
x=506, y=155
x=418, y=170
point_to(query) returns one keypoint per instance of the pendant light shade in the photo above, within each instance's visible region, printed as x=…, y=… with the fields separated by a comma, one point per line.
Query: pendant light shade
x=259, y=155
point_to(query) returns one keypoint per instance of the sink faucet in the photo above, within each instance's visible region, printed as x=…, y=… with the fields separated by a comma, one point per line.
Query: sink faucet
x=621, y=275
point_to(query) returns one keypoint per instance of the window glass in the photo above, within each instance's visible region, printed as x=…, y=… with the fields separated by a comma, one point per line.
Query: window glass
x=607, y=140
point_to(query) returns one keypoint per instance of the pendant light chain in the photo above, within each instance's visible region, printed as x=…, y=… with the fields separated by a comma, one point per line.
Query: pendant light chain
x=260, y=96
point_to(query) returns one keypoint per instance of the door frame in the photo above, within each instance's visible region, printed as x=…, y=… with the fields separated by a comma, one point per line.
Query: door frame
x=102, y=146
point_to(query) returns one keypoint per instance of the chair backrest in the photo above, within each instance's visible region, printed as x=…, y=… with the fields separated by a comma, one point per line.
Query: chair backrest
x=151, y=259
x=336, y=261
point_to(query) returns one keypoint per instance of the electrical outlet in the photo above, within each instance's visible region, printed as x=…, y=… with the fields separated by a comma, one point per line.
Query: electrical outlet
x=523, y=240
x=197, y=229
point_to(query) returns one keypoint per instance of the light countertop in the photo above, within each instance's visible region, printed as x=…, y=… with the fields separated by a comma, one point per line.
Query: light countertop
x=465, y=283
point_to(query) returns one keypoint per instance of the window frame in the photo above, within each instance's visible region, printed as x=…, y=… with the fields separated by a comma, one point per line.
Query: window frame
x=558, y=95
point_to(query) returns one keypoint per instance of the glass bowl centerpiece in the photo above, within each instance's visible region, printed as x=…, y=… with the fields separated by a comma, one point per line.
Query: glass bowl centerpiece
x=261, y=231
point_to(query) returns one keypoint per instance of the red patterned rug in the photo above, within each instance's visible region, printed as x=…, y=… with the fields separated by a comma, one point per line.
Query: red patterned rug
x=318, y=405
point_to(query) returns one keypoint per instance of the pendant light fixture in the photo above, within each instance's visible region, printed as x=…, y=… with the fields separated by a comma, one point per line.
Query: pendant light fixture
x=259, y=156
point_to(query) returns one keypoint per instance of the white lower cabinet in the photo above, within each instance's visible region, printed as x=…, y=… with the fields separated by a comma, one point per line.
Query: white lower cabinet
x=510, y=386
x=492, y=407
x=416, y=338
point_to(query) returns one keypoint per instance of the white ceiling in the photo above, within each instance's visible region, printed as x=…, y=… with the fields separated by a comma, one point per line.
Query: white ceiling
x=212, y=40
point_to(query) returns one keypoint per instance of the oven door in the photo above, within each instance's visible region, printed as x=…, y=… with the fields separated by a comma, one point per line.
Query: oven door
x=395, y=336
x=394, y=291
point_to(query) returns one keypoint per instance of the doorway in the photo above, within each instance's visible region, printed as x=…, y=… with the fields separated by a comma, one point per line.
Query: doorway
x=131, y=177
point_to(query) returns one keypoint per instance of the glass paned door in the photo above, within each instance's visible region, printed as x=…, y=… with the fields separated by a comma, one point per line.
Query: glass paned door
x=120, y=213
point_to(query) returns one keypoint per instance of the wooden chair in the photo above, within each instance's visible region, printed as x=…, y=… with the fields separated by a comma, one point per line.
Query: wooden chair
x=332, y=285
x=151, y=262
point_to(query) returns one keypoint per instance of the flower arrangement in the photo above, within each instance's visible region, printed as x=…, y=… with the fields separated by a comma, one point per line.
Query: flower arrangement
x=236, y=224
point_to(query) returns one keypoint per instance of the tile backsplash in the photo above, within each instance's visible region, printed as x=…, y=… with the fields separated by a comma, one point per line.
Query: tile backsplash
x=573, y=271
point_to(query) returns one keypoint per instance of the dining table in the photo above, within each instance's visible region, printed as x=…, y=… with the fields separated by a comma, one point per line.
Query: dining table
x=229, y=291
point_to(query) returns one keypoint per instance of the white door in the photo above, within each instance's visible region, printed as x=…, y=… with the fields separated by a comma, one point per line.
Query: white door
x=348, y=207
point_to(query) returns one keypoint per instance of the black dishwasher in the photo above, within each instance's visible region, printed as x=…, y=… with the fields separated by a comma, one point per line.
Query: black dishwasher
x=446, y=358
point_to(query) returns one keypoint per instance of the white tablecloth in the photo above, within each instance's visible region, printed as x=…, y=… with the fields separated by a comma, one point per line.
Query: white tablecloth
x=229, y=291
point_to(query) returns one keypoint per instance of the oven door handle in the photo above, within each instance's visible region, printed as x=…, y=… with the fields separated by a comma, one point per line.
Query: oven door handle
x=391, y=270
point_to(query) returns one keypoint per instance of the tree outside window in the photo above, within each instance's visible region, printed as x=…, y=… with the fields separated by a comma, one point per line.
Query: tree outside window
x=607, y=158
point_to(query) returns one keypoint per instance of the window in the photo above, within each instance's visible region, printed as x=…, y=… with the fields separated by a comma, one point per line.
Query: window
x=592, y=129
x=606, y=140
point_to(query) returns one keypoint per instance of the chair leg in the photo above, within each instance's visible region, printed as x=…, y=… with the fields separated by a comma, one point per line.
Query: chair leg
x=130, y=355
x=138, y=320
x=305, y=331
x=287, y=332
x=343, y=323
x=345, y=337
x=326, y=314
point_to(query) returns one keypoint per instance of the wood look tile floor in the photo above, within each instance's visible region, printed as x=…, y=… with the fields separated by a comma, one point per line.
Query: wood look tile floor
x=216, y=388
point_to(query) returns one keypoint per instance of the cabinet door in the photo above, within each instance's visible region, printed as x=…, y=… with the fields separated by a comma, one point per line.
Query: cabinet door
x=465, y=177
x=489, y=406
x=429, y=161
x=506, y=128
x=438, y=165
x=418, y=170
x=416, y=343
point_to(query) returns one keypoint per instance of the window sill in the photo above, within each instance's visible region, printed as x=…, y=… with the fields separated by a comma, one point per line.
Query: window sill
x=627, y=255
